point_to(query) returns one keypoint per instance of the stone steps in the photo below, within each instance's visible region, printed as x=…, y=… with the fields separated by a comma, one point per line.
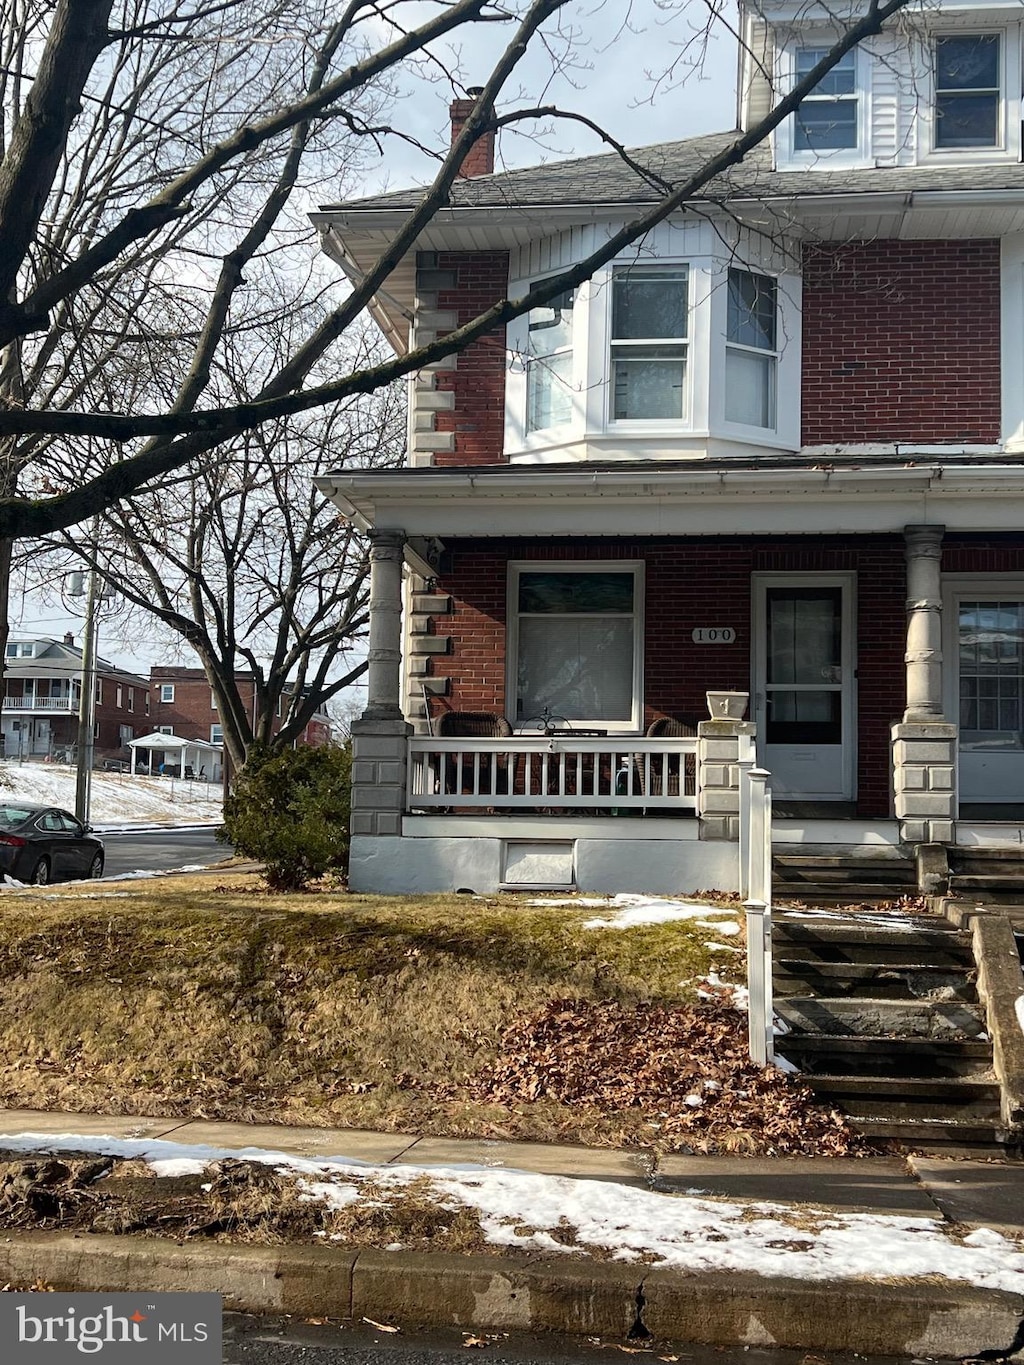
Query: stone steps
x=883, y=1019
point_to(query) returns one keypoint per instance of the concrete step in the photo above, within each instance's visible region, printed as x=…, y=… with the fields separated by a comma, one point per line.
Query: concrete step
x=821, y=941
x=817, y=1053
x=952, y=1019
x=887, y=873
x=834, y=892
x=793, y=975
x=903, y=1097
x=932, y=1134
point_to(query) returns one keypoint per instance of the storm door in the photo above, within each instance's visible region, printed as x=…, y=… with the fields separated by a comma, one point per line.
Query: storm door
x=804, y=685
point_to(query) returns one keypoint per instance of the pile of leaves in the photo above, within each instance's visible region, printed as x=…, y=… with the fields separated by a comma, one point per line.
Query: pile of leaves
x=687, y=1067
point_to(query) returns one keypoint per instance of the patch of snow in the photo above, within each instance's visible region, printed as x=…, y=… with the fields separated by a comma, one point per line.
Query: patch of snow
x=677, y=1232
x=1019, y=1007
x=722, y=947
x=724, y=926
x=632, y=910
x=587, y=901
x=120, y=799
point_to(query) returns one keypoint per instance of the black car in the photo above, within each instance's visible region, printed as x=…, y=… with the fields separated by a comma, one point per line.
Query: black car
x=40, y=844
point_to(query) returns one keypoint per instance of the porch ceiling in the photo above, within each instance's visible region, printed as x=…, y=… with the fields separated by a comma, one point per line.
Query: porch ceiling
x=646, y=500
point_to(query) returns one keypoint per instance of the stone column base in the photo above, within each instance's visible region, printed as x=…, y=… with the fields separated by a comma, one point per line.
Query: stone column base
x=924, y=780
x=379, y=763
x=718, y=780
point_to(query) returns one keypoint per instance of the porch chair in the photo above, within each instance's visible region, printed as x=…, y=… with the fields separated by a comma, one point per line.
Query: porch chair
x=669, y=727
x=472, y=725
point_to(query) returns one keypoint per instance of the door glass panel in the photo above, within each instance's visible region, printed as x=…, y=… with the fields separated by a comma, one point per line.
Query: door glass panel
x=991, y=656
x=804, y=666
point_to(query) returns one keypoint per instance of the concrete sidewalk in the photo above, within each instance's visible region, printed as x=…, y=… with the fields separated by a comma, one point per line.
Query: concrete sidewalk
x=547, y=1291
x=976, y=1193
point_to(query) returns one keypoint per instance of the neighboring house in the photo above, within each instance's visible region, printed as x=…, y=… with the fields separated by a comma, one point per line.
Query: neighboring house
x=184, y=705
x=774, y=449
x=42, y=699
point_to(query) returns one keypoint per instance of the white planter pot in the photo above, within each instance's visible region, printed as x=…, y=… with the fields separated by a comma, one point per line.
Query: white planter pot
x=727, y=705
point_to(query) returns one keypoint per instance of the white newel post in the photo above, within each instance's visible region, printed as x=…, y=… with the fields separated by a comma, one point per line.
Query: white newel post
x=924, y=742
x=379, y=735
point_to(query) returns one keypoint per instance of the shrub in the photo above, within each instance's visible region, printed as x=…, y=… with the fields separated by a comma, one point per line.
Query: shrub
x=290, y=810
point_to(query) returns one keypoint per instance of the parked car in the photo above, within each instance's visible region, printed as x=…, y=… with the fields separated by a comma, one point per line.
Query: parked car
x=40, y=844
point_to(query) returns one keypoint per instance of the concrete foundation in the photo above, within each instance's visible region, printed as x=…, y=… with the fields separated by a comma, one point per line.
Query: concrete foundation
x=482, y=863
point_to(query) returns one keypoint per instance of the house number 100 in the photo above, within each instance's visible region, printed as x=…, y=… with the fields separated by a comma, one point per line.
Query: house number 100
x=714, y=635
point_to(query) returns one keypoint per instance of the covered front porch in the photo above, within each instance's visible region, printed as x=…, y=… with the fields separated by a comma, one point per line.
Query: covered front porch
x=824, y=601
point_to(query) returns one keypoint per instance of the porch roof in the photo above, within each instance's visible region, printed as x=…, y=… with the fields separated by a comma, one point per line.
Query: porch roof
x=649, y=498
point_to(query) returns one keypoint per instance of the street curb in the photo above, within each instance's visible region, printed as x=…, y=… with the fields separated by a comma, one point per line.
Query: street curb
x=530, y=1294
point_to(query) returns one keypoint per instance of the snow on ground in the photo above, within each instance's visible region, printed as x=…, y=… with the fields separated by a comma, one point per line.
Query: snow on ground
x=117, y=798
x=631, y=910
x=676, y=1232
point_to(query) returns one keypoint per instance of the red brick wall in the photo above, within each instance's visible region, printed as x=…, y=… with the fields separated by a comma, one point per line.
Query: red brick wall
x=901, y=342
x=692, y=583
x=983, y=554
x=478, y=382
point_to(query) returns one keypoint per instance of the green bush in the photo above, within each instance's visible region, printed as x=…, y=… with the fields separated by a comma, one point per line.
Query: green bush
x=290, y=811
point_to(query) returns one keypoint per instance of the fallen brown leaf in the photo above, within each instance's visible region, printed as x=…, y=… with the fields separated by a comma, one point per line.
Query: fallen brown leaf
x=381, y=1326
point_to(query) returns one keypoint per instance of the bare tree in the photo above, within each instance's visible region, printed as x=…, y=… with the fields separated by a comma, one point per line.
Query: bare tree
x=272, y=90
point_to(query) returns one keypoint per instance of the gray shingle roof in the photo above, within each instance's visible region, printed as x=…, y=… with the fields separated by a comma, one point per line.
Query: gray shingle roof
x=606, y=179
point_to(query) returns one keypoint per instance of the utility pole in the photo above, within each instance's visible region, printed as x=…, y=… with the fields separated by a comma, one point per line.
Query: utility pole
x=87, y=712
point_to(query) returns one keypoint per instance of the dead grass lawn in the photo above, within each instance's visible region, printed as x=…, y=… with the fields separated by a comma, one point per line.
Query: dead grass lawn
x=207, y=996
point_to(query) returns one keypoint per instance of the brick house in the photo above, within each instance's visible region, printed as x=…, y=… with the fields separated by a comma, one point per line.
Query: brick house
x=184, y=705
x=774, y=450
x=42, y=700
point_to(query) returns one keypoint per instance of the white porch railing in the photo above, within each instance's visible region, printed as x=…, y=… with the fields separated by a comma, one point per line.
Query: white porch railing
x=553, y=773
x=40, y=704
x=755, y=857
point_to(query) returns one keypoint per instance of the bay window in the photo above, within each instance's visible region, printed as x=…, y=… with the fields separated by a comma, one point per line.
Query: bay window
x=751, y=354
x=649, y=337
x=828, y=118
x=577, y=642
x=549, y=363
x=967, y=91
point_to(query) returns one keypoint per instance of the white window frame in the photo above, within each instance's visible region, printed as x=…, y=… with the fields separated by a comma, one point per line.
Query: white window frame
x=517, y=437
x=119, y=696
x=788, y=349
x=685, y=344
x=762, y=353
x=216, y=734
x=1008, y=123
x=165, y=729
x=829, y=158
x=131, y=699
x=167, y=692
x=99, y=691
x=213, y=700
x=578, y=566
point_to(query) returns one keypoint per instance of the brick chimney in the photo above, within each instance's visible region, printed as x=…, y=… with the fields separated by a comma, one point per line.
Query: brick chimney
x=480, y=158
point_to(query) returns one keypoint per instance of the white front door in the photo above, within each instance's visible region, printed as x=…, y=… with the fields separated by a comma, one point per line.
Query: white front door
x=804, y=684
x=984, y=653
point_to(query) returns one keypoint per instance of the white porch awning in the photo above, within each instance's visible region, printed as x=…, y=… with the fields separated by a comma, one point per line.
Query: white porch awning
x=649, y=499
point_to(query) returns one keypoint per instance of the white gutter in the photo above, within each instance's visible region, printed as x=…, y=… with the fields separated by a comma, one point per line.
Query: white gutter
x=521, y=501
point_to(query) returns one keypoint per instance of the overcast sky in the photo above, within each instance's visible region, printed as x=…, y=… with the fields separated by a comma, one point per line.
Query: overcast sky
x=609, y=78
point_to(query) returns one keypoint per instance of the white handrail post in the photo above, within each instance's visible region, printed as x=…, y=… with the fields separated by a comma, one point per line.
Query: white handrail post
x=760, y=1005
x=744, y=764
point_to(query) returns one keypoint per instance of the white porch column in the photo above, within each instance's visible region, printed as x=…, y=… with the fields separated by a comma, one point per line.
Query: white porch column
x=379, y=735
x=924, y=622
x=721, y=746
x=924, y=743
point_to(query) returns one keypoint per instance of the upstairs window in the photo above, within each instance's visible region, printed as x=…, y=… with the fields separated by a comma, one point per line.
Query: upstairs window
x=549, y=363
x=827, y=120
x=166, y=691
x=751, y=353
x=967, y=91
x=650, y=331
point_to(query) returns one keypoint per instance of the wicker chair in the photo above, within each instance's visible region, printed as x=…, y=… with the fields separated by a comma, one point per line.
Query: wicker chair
x=473, y=725
x=669, y=727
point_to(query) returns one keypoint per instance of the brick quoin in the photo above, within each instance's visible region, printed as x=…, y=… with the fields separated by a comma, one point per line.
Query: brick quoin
x=688, y=582
x=901, y=342
x=478, y=382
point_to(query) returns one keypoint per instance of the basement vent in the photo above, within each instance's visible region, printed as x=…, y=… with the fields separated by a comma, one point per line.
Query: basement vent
x=537, y=864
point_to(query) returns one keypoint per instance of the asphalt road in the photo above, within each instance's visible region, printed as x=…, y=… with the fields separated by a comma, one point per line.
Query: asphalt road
x=268, y=1341
x=161, y=850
